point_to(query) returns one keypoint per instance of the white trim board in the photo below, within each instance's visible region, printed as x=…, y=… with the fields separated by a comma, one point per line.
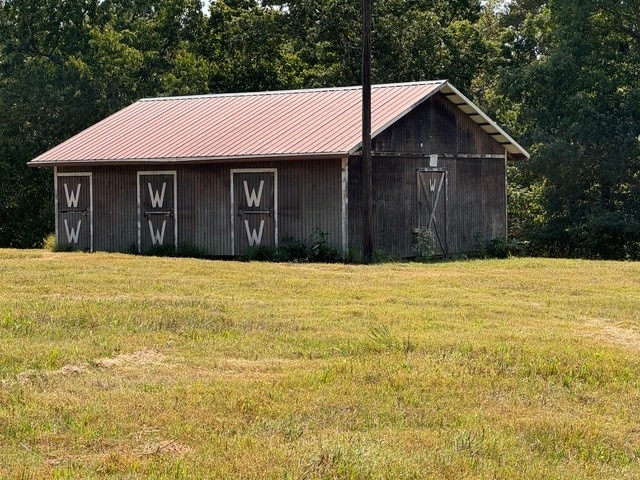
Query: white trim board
x=57, y=174
x=232, y=195
x=175, y=202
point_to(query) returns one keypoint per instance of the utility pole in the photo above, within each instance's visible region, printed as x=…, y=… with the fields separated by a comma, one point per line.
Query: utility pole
x=367, y=177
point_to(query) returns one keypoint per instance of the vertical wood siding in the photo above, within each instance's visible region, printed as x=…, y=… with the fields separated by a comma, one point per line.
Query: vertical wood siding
x=436, y=126
x=476, y=185
x=476, y=202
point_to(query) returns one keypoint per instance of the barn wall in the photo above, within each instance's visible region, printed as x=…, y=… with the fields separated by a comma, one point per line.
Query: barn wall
x=309, y=197
x=115, y=226
x=475, y=202
x=436, y=126
x=475, y=180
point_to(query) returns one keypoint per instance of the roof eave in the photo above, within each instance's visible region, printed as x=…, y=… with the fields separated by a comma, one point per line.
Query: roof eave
x=88, y=162
x=514, y=149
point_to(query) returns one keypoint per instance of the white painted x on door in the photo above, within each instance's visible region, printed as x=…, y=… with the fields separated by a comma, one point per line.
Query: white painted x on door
x=432, y=206
x=157, y=217
x=74, y=210
x=254, y=215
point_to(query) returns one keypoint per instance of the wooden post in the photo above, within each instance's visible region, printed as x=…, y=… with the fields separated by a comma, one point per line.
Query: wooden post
x=367, y=177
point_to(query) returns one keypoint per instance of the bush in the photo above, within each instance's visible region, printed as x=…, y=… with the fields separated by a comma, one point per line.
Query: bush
x=259, y=253
x=354, y=255
x=292, y=250
x=425, y=246
x=320, y=250
x=498, y=248
x=383, y=256
x=50, y=243
x=607, y=235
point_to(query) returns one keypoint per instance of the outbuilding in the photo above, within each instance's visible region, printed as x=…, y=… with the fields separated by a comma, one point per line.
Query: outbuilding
x=223, y=173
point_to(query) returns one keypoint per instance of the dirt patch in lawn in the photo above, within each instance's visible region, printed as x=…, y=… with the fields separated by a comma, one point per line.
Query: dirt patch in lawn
x=628, y=338
x=142, y=357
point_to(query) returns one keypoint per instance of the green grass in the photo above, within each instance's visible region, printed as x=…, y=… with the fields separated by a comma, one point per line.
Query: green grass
x=116, y=366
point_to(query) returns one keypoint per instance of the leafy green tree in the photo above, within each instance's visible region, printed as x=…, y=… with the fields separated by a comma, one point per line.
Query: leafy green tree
x=574, y=81
x=412, y=40
x=326, y=34
x=66, y=65
x=249, y=49
x=428, y=39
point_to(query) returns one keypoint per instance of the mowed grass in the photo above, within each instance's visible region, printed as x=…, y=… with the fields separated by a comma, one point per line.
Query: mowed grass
x=116, y=366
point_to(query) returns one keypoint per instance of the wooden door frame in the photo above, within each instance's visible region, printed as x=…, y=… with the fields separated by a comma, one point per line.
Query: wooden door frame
x=56, y=175
x=175, y=203
x=444, y=244
x=232, y=172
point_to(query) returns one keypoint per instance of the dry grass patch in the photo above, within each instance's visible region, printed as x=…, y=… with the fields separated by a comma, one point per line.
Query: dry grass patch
x=614, y=334
x=113, y=366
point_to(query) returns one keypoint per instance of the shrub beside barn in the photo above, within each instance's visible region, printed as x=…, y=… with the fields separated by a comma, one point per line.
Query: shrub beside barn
x=223, y=173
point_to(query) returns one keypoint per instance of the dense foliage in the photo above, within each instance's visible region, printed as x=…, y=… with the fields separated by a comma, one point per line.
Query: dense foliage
x=563, y=77
x=572, y=72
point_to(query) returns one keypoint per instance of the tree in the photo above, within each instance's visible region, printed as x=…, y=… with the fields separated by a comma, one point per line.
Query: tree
x=249, y=48
x=412, y=40
x=66, y=65
x=574, y=80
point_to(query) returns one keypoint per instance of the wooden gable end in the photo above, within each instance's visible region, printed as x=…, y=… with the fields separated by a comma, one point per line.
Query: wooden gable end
x=437, y=126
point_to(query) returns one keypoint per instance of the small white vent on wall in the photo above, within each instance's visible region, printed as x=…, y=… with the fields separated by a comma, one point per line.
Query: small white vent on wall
x=433, y=160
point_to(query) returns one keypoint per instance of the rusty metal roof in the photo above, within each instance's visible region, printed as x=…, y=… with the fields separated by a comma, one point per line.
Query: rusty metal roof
x=284, y=124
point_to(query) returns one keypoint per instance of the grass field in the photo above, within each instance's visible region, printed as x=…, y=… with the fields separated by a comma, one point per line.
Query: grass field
x=116, y=366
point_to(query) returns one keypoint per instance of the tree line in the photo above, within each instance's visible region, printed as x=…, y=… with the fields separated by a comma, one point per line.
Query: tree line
x=562, y=76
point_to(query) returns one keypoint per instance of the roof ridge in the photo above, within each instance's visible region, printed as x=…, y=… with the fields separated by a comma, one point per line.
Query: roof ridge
x=262, y=124
x=289, y=92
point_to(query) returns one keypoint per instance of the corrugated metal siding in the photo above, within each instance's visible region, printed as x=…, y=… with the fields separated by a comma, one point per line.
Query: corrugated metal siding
x=476, y=191
x=394, y=186
x=115, y=214
x=478, y=203
x=205, y=207
x=495, y=198
x=467, y=208
x=309, y=198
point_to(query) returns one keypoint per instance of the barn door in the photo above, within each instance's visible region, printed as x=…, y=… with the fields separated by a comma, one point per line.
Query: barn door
x=157, y=217
x=254, y=215
x=74, y=210
x=432, y=206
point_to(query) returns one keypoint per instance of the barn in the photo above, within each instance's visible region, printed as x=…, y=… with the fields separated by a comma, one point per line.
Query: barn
x=224, y=173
